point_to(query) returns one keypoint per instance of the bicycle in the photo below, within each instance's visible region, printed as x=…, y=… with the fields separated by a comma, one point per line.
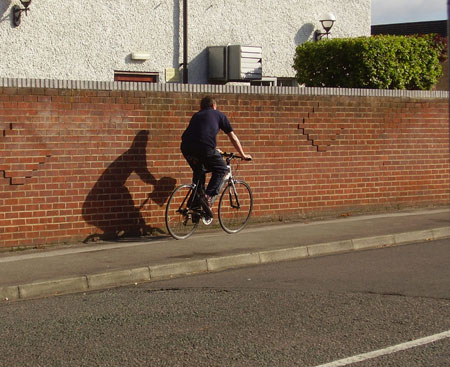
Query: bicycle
x=184, y=210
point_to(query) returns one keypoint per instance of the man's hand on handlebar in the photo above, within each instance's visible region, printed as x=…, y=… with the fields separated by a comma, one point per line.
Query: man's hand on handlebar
x=245, y=157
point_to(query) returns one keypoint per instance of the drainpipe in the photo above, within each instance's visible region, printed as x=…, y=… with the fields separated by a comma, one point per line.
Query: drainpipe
x=185, y=42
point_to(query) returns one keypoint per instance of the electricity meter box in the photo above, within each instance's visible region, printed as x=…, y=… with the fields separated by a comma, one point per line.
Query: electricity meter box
x=234, y=63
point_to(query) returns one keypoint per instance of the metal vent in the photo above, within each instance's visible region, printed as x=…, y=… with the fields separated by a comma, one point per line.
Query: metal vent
x=245, y=63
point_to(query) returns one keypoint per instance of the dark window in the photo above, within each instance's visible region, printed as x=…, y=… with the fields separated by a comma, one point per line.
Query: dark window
x=132, y=76
x=287, y=82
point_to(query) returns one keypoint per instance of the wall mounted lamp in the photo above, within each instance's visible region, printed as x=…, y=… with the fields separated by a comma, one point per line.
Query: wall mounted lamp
x=327, y=22
x=17, y=11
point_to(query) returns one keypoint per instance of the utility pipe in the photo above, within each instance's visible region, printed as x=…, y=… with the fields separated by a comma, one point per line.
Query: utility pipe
x=185, y=42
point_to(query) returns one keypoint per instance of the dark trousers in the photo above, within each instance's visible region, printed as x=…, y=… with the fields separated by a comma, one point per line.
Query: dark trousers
x=202, y=161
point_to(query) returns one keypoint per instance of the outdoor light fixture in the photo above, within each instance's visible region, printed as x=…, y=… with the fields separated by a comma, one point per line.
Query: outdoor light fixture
x=140, y=56
x=17, y=11
x=327, y=22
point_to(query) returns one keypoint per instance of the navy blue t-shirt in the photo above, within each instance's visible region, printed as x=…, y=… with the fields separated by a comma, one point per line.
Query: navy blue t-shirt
x=204, y=127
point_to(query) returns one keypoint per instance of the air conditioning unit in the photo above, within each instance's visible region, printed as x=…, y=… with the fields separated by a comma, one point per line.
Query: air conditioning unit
x=234, y=63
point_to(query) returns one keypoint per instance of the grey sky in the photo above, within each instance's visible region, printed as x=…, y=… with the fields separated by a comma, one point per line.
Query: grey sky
x=402, y=11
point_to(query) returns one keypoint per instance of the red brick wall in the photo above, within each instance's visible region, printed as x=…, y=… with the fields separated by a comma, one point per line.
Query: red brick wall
x=75, y=163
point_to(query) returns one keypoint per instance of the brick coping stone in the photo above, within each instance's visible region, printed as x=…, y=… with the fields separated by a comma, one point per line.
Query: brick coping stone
x=217, y=89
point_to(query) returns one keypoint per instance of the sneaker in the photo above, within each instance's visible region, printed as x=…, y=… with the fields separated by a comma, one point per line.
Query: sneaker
x=207, y=221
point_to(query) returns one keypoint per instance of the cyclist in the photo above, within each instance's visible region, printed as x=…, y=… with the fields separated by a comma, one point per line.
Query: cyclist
x=198, y=145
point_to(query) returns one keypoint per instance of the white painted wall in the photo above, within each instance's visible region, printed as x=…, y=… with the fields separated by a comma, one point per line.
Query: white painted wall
x=89, y=39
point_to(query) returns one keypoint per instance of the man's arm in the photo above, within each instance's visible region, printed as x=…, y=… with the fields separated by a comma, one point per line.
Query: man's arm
x=237, y=145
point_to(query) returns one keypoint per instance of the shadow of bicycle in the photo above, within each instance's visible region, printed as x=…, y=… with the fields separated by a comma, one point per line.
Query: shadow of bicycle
x=110, y=207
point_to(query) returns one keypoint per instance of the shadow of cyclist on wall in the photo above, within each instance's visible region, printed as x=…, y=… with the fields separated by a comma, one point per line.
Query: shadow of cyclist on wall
x=109, y=205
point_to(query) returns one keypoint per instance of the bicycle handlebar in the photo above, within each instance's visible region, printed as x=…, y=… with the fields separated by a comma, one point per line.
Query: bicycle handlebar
x=233, y=156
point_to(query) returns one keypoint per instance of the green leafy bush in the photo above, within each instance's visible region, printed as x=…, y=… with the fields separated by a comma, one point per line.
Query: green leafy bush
x=380, y=62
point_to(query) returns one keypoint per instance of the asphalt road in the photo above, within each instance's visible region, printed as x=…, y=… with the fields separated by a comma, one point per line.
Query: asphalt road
x=302, y=313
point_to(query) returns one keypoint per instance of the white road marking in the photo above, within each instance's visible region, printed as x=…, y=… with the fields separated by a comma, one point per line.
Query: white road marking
x=388, y=350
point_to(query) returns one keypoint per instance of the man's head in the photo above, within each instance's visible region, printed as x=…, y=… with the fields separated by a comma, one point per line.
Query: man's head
x=208, y=102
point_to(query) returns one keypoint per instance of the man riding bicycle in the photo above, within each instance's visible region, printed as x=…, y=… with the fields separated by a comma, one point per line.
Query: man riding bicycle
x=198, y=145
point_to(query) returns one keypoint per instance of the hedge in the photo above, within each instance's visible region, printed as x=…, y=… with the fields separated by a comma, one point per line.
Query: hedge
x=379, y=62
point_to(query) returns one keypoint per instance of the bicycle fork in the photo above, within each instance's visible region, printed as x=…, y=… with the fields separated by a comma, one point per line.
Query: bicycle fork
x=226, y=179
x=233, y=196
x=232, y=193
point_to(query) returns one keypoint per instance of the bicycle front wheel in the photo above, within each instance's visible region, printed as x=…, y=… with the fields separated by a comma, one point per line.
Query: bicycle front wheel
x=181, y=221
x=235, y=206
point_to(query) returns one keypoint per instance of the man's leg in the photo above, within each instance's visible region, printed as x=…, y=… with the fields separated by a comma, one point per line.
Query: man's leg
x=215, y=163
x=198, y=175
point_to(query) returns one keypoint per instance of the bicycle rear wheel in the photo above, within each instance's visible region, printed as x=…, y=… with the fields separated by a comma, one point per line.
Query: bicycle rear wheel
x=181, y=221
x=235, y=206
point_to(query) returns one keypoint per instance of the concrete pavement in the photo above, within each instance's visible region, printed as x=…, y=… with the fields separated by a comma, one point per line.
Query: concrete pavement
x=85, y=267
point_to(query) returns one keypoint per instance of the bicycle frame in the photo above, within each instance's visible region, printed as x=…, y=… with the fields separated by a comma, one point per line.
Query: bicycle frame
x=228, y=179
x=192, y=195
x=230, y=189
